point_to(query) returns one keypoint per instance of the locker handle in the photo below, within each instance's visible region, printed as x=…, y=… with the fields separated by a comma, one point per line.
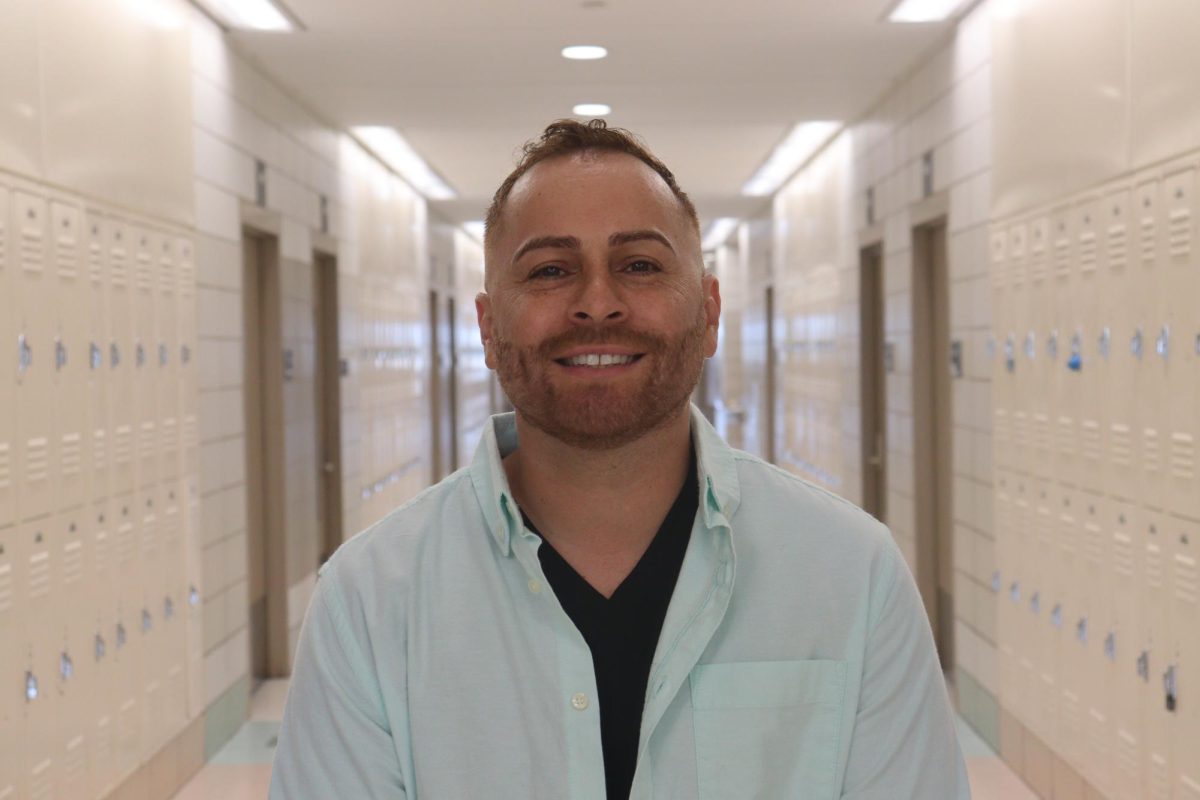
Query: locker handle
x=100, y=647
x=147, y=621
x=1110, y=646
x=114, y=355
x=185, y=354
x=168, y=608
x=140, y=355
x=162, y=355
x=1105, y=339
x=24, y=354
x=66, y=667
x=1056, y=616
x=95, y=356
x=1035, y=602
x=1170, y=688
x=31, y=687
x=193, y=596
x=1162, y=344
x=1135, y=344
x=60, y=355
x=1143, y=666
x=1081, y=630
x=120, y=635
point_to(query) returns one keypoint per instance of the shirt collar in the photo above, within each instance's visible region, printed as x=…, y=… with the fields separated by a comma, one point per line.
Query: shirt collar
x=719, y=491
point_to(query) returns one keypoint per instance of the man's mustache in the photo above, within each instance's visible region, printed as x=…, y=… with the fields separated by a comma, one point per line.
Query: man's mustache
x=640, y=341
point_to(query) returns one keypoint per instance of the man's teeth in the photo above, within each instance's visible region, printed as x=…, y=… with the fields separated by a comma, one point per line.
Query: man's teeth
x=598, y=360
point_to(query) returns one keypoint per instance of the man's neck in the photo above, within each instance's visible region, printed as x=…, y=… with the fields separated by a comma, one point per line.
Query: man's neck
x=599, y=509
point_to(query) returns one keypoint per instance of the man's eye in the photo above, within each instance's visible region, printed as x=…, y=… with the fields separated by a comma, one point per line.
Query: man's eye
x=642, y=266
x=548, y=271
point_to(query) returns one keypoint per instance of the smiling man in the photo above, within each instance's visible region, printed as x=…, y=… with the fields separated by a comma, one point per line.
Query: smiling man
x=610, y=602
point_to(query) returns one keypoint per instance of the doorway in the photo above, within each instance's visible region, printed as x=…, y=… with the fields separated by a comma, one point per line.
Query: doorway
x=266, y=578
x=328, y=390
x=873, y=383
x=932, y=430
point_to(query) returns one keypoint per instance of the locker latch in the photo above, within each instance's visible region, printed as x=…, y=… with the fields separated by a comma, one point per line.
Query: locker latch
x=24, y=354
x=120, y=635
x=1135, y=343
x=1030, y=345
x=1169, y=688
x=147, y=621
x=1110, y=646
x=1162, y=344
x=1014, y=591
x=140, y=355
x=996, y=581
x=66, y=667
x=1075, y=362
x=1081, y=630
x=185, y=354
x=1035, y=602
x=31, y=687
x=1143, y=666
x=1052, y=345
x=162, y=355
x=193, y=596
x=1056, y=615
x=60, y=355
x=1198, y=344
x=1105, y=340
x=1010, y=356
x=168, y=608
x=99, y=647
x=114, y=355
x=95, y=357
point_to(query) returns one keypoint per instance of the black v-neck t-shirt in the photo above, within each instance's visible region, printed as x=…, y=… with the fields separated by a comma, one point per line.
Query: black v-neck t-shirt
x=622, y=631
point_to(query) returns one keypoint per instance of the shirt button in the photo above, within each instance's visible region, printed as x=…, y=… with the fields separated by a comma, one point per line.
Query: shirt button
x=535, y=585
x=579, y=701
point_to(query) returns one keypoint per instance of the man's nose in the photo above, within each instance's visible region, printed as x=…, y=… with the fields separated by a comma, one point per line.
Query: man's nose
x=599, y=299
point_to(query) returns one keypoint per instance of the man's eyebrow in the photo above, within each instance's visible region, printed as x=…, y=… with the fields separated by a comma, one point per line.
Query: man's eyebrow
x=540, y=242
x=625, y=237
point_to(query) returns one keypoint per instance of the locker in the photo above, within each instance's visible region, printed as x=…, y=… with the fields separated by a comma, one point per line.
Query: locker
x=70, y=312
x=96, y=389
x=1117, y=315
x=127, y=685
x=1098, y=677
x=35, y=292
x=39, y=587
x=1043, y=360
x=171, y=610
x=1127, y=582
x=1176, y=344
x=8, y=333
x=166, y=359
x=1087, y=396
x=1020, y=355
x=75, y=675
x=1184, y=541
x=1150, y=301
x=12, y=665
x=1065, y=389
x=101, y=620
x=1156, y=657
x=1042, y=578
x=145, y=371
x=120, y=360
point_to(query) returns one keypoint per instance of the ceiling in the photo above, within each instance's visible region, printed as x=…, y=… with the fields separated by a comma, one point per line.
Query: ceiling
x=712, y=87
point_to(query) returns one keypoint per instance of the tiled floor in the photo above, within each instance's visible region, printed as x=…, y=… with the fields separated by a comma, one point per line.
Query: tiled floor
x=242, y=768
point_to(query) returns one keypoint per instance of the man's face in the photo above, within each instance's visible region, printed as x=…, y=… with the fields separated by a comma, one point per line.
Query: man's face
x=595, y=261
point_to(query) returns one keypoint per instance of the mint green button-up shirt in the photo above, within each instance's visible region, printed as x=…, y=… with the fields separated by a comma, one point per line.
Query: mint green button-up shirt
x=795, y=660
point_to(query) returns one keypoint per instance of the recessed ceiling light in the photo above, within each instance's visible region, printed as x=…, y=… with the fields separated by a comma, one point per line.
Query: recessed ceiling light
x=923, y=10
x=591, y=110
x=393, y=150
x=718, y=231
x=255, y=15
x=584, y=52
x=804, y=140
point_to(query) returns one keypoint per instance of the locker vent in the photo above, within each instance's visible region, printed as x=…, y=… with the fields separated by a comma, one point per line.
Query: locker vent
x=166, y=276
x=72, y=562
x=1043, y=438
x=31, y=249
x=1090, y=441
x=1149, y=235
x=1019, y=429
x=75, y=769
x=1121, y=445
x=39, y=575
x=101, y=550
x=998, y=271
x=66, y=260
x=170, y=433
x=5, y=466
x=1066, y=535
x=95, y=259
x=1123, y=554
x=1045, y=527
x=1118, y=247
x=6, y=588
x=1093, y=544
x=147, y=441
x=187, y=278
x=1160, y=783
x=1151, y=452
x=100, y=449
x=123, y=445
x=1062, y=257
x=118, y=265
x=1186, y=579
x=144, y=272
x=191, y=436
x=72, y=454
x=1154, y=566
x=1038, y=270
x=41, y=781
x=1179, y=232
x=1128, y=758
x=1183, y=456
x=1087, y=251
x=37, y=459
x=149, y=535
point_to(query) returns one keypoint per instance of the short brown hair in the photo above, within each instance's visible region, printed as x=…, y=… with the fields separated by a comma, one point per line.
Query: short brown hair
x=565, y=136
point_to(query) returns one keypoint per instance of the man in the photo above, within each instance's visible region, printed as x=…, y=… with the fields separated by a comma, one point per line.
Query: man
x=610, y=602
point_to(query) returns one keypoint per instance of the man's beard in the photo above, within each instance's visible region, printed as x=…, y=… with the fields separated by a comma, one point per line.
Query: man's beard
x=602, y=415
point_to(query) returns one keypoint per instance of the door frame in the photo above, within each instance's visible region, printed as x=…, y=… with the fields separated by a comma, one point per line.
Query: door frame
x=329, y=396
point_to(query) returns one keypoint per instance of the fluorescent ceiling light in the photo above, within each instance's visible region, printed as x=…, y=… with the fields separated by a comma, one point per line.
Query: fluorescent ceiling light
x=591, y=110
x=255, y=15
x=923, y=10
x=804, y=140
x=584, y=52
x=474, y=229
x=718, y=232
x=393, y=150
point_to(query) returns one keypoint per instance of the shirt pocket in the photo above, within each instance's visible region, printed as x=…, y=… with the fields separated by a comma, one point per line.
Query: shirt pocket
x=767, y=729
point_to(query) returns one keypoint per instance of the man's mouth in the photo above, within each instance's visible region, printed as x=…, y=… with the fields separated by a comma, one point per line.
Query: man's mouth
x=598, y=360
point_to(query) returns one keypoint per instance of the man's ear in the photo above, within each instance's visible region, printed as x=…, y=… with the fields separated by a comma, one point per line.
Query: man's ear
x=483, y=315
x=712, y=312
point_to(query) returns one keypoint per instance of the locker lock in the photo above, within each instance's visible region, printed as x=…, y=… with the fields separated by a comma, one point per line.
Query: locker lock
x=185, y=353
x=162, y=355
x=1014, y=591
x=24, y=354
x=95, y=357
x=114, y=355
x=1035, y=602
x=1104, y=343
x=1162, y=344
x=60, y=354
x=1052, y=345
x=1169, y=688
x=1075, y=362
x=1135, y=344
x=147, y=621
x=140, y=355
x=168, y=608
x=1010, y=357
x=193, y=596
x=1110, y=646
x=31, y=687
x=120, y=635
x=1081, y=632
x=996, y=581
x=66, y=667
x=1143, y=666
x=1198, y=344
x=1056, y=616
x=99, y=647
x=1030, y=345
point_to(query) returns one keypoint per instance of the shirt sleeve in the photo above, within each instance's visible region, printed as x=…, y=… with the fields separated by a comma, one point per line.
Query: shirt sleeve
x=335, y=740
x=904, y=743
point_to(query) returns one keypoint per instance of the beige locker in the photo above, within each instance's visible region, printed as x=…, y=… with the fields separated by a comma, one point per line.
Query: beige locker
x=34, y=295
x=1023, y=363
x=1156, y=656
x=70, y=313
x=120, y=359
x=1184, y=542
x=1099, y=676
x=171, y=604
x=1088, y=396
x=1065, y=388
x=1117, y=315
x=145, y=361
x=127, y=685
x=8, y=333
x=1008, y=608
x=40, y=588
x=1121, y=679
x=95, y=353
x=1041, y=578
x=103, y=618
x=127, y=550
x=1024, y=631
x=76, y=672
x=12, y=663
x=1073, y=619
x=1044, y=361
x=166, y=359
x=1177, y=344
